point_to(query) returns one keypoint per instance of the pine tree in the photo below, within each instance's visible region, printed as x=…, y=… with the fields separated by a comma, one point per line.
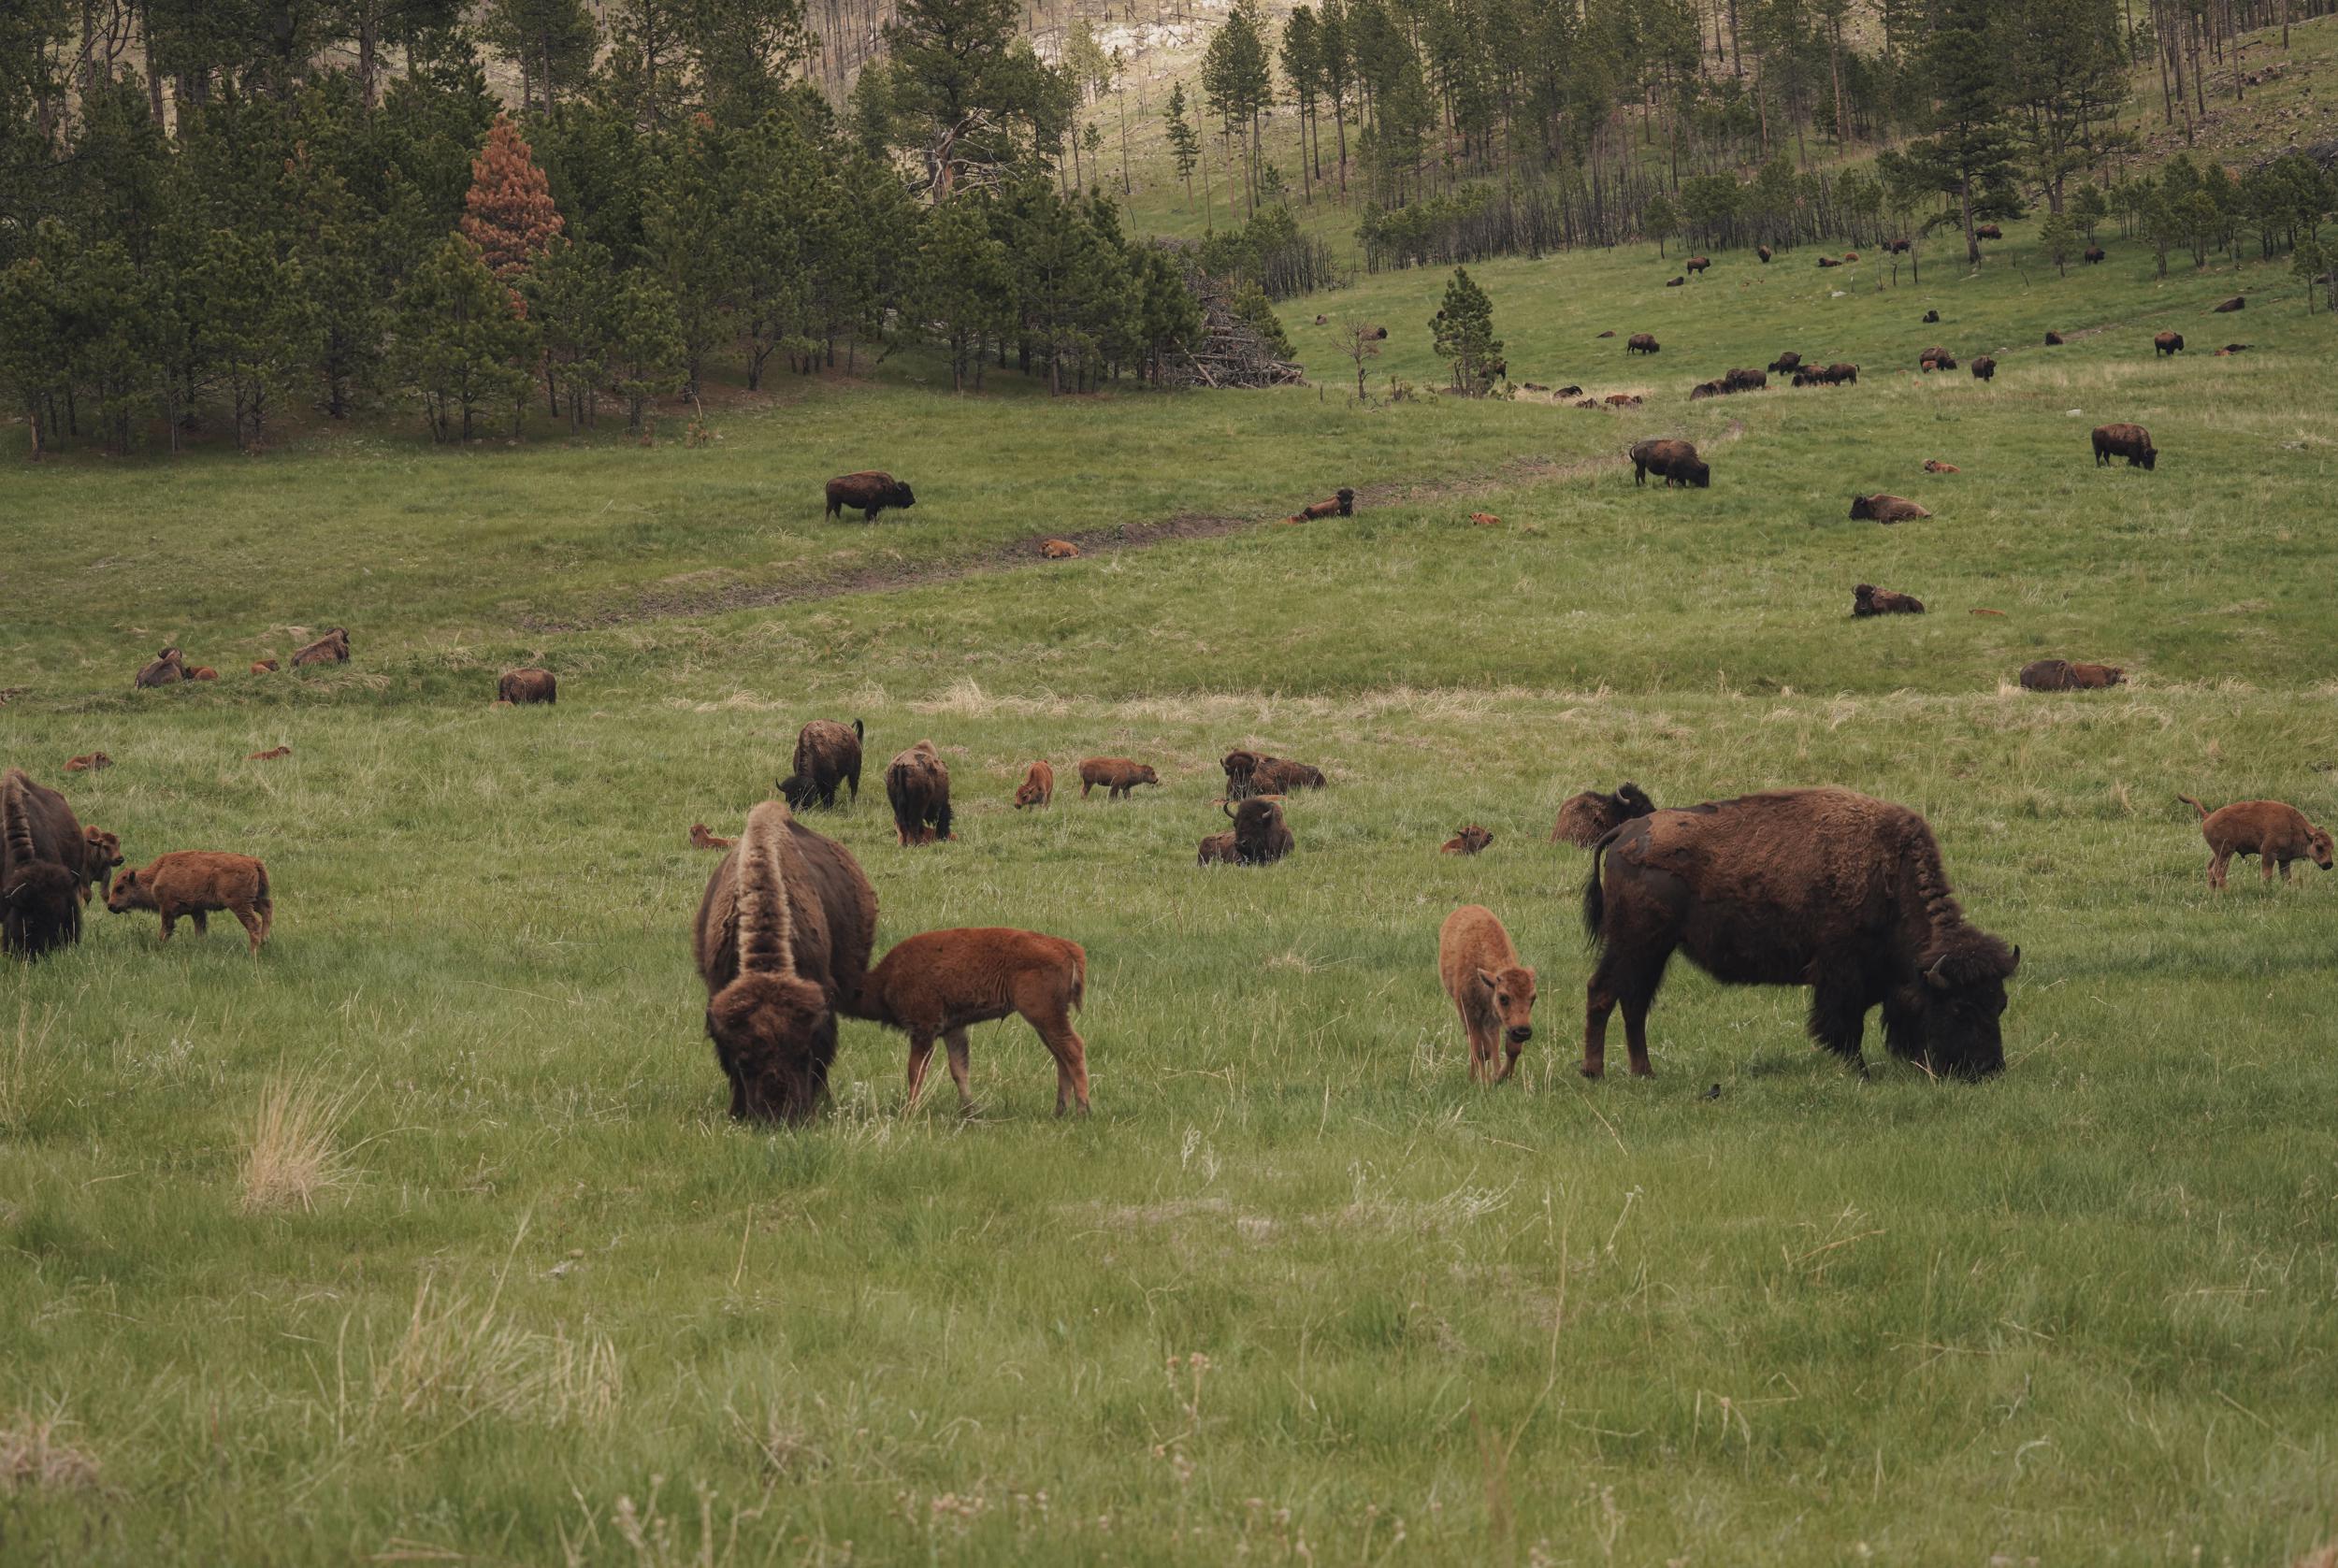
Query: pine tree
x=646, y=350
x=2057, y=236
x=255, y=331
x=32, y=343
x=572, y=295
x=1183, y=144
x=2088, y=209
x=1464, y=334
x=962, y=287
x=552, y=42
x=1969, y=154
x=460, y=346
x=507, y=216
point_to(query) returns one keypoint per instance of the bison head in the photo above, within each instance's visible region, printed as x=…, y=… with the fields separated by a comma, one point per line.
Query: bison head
x=1949, y=1017
x=1028, y=793
x=767, y=1029
x=901, y=495
x=1511, y=992
x=797, y=792
x=1862, y=509
x=1145, y=775
x=127, y=894
x=40, y=909
x=1694, y=470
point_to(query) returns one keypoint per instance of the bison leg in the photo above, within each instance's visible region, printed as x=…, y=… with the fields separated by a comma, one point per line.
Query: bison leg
x=2269, y=862
x=738, y=1082
x=853, y=780
x=2216, y=864
x=1636, y=1034
x=1633, y=983
x=1054, y=1024
x=956, y=1041
x=1839, y=1016
x=920, y=1053
x=253, y=927
x=202, y=919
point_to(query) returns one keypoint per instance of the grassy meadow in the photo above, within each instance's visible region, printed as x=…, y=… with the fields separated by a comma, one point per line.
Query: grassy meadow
x=424, y=1237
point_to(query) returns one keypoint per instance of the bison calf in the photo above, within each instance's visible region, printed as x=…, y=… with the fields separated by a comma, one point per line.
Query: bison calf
x=1118, y=774
x=1037, y=789
x=269, y=755
x=938, y=984
x=202, y=672
x=101, y=852
x=195, y=883
x=2276, y=833
x=869, y=492
x=1868, y=600
x=1471, y=840
x=1218, y=850
x=1586, y=818
x=1934, y=465
x=1059, y=550
x=1494, y=993
x=918, y=783
x=2130, y=441
x=88, y=762
x=1883, y=507
x=263, y=666
x=2061, y=675
x=701, y=838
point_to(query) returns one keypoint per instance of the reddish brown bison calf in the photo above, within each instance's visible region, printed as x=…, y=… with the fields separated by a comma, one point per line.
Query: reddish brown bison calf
x=195, y=883
x=263, y=666
x=202, y=672
x=917, y=785
x=269, y=755
x=1883, y=508
x=528, y=684
x=1586, y=818
x=88, y=762
x=2276, y=833
x=1494, y=992
x=701, y=838
x=938, y=984
x=2061, y=675
x=332, y=648
x=1868, y=600
x=1471, y=840
x=101, y=852
x=868, y=492
x=1675, y=462
x=1341, y=504
x=1118, y=774
x=1059, y=550
x=1934, y=465
x=2130, y=441
x=1624, y=399
x=1037, y=789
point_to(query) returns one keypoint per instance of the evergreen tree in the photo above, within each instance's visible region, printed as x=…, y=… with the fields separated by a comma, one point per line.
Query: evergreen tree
x=507, y=215
x=571, y=297
x=31, y=343
x=1464, y=336
x=460, y=346
x=334, y=249
x=2087, y=209
x=1969, y=154
x=2057, y=236
x=550, y=42
x=963, y=85
x=963, y=286
x=646, y=346
x=1185, y=146
x=255, y=332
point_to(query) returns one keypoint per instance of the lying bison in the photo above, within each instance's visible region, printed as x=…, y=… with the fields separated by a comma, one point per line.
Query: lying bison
x=528, y=684
x=2274, y=831
x=332, y=648
x=1818, y=887
x=1642, y=342
x=869, y=492
x=1931, y=318
x=42, y=860
x=918, y=783
x=1472, y=839
x=1675, y=462
x=783, y=939
x=827, y=755
x=1250, y=772
x=166, y=667
x=2061, y=675
x=2130, y=441
x=1869, y=599
x=1341, y=504
x=2053, y=340
x=1259, y=837
x=1883, y=507
x=1828, y=261
x=1674, y=282
x=1586, y=818
x=2227, y=306
x=1702, y=390
x=2167, y=343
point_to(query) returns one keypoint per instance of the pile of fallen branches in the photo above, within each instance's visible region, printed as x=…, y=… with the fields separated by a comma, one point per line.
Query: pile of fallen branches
x=1231, y=353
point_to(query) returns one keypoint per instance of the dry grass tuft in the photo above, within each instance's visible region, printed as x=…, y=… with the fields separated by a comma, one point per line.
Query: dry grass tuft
x=24, y=1070
x=291, y=1157
x=34, y=1455
x=464, y=1361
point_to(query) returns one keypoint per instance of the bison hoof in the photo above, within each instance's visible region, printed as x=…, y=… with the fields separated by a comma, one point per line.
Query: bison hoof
x=1589, y=1070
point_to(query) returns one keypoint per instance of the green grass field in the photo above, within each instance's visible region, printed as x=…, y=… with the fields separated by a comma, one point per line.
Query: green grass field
x=423, y=1237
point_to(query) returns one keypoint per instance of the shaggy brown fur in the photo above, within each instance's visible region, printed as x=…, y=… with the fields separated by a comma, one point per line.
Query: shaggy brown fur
x=1869, y=599
x=101, y=852
x=827, y=755
x=2091, y=254
x=1118, y=774
x=869, y=492
x=1988, y=231
x=528, y=684
x=1934, y=465
x=1931, y=318
x=937, y=984
x=1250, y=772
x=1569, y=392
x=701, y=838
x=1586, y=818
x=2061, y=675
x=1818, y=887
x=165, y=669
x=1624, y=399
x=269, y=755
x=782, y=940
x=1745, y=380
x=1763, y=252
x=89, y=762
x=1786, y=364
x=1588, y=403
x=1983, y=368
x=1899, y=247
x=1642, y=342
x=1936, y=359
x=1828, y=261
x=2053, y=340
x=1037, y=789
x=263, y=666
x=2227, y=306
x=41, y=867
x=194, y=882
x=1494, y=992
x=332, y=648
x=1059, y=549
x=1259, y=836
x=1675, y=462
x=1849, y=256
x=1218, y=850
x=1674, y=282
x=2130, y=441
x=1841, y=374
x=1707, y=389
x=202, y=672
x=2167, y=343
x=2274, y=832
x=918, y=782
x=1471, y=840
x=1697, y=264
x=1341, y=504
x=1883, y=507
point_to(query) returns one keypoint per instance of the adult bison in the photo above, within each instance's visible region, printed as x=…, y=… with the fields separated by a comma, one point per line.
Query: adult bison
x=1672, y=460
x=43, y=853
x=1250, y=772
x=332, y=648
x=528, y=684
x=163, y=670
x=827, y=755
x=1988, y=231
x=1884, y=508
x=1744, y=380
x=869, y=492
x=2169, y=344
x=1762, y=254
x=1642, y=342
x=1786, y=364
x=1697, y=264
x=2092, y=255
x=1868, y=600
x=1983, y=368
x=1818, y=887
x=918, y=783
x=1936, y=358
x=2130, y=441
x=2061, y=675
x=1587, y=817
x=783, y=939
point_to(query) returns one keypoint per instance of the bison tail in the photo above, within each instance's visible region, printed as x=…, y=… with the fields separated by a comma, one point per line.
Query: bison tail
x=16, y=828
x=2195, y=805
x=1594, y=897
x=1080, y=978
x=859, y=733
x=942, y=820
x=767, y=943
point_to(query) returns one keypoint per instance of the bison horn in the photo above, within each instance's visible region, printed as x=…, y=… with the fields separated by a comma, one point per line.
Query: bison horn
x=1226, y=806
x=1933, y=977
x=2017, y=963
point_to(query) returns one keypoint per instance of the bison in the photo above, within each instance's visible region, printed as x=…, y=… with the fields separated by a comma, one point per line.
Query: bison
x=101, y=852
x=1341, y=504
x=1883, y=507
x=1934, y=465
x=194, y=882
x=1988, y=231
x=2092, y=255
x=937, y=984
x=701, y=838
x=1840, y=374
x=1569, y=392
x=1586, y=818
x=827, y=755
x=1983, y=368
x=869, y=492
x=1494, y=992
x=1118, y=774
x=269, y=755
x=918, y=782
x=1823, y=887
x=2276, y=833
x=2061, y=675
x=1697, y=264
x=1762, y=252
x=202, y=672
x=1250, y=772
x=1471, y=840
x=1703, y=390
x=1218, y=850
x=1642, y=342
x=332, y=648
x=1786, y=364
x=2169, y=344
x=1260, y=837
x=2233, y=348
x=528, y=684
x=1849, y=256
x=1828, y=261
x=1059, y=550
x=88, y=762
x=2227, y=306
x=42, y=868
x=1868, y=600
x=1897, y=247
x=1672, y=460
x=1037, y=789
x=263, y=666
x=2130, y=441
x=1931, y=318
x=1744, y=380
x=1674, y=282
x=782, y=940
x=1936, y=358
x=1624, y=399
x=166, y=667
x=2053, y=340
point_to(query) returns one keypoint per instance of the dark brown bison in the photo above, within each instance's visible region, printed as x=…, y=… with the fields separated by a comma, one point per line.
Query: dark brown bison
x=1762, y=252
x=1471, y=840
x=1883, y=507
x=1983, y=368
x=529, y=683
x=2227, y=306
x=1785, y=364
x=1642, y=342
x=935, y=985
x=1586, y=818
x=1675, y=462
x=2274, y=831
x=2053, y=340
x=782, y=940
x=827, y=755
x=1897, y=247
x=1936, y=358
x=2167, y=343
x=1869, y=599
x=869, y=492
x=1569, y=392
x=1931, y=318
x=918, y=782
x=1840, y=374
x=195, y=883
x=1703, y=390
x=1818, y=887
x=1341, y=504
x=1828, y=261
x=2061, y=675
x=2130, y=441
x=1988, y=231
x=42, y=860
x=1037, y=789
x=1697, y=264
x=168, y=668
x=1674, y=282
x=2093, y=253
x=1116, y=774
x=1250, y=772
x=2233, y=348
x=1492, y=990
x=332, y=648
x=1745, y=381
x=1260, y=837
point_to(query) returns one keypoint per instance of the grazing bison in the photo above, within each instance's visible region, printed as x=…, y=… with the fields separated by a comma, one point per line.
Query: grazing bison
x=1823, y=887
x=167, y=669
x=2092, y=255
x=869, y=492
x=1707, y=389
x=1869, y=599
x=918, y=783
x=1674, y=282
x=1471, y=840
x=1897, y=247
x=2276, y=833
x=782, y=940
x=1697, y=264
x=2130, y=441
x=2167, y=343
x=701, y=838
x=1785, y=364
x=1883, y=507
x=194, y=882
x=1675, y=462
x=1059, y=550
x=1931, y=318
x=2227, y=306
x=263, y=666
x=1118, y=774
x=1642, y=342
x=89, y=762
x=332, y=648
x=528, y=683
x=1937, y=358
x=937, y=984
x=1037, y=789
x=1934, y=465
x=1260, y=837
x=1494, y=992
x=2061, y=675
x=42, y=859
x=1840, y=374
x=827, y=755
x=1983, y=368
x=2053, y=340
x=1988, y=231
x=1744, y=380
x=1586, y=818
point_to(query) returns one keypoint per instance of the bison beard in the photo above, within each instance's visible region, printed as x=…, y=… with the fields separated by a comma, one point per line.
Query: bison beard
x=41, y=855
x=1821, y=887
